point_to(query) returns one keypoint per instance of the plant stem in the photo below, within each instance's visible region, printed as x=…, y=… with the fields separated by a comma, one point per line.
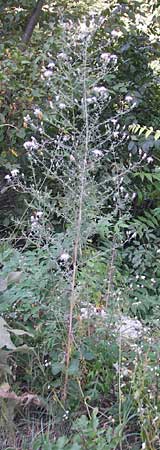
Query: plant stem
x=78, y=228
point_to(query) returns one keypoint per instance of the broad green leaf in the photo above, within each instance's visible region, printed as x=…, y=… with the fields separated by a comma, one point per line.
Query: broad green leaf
x=74, y=367
x=156, y=176
x=88, y=356
x=62, y=441
x=75, y=446
x=81, y=423
x=5, y=340
x=149, y=176
x=21, y=133
x=14, y=277
x=57, y=367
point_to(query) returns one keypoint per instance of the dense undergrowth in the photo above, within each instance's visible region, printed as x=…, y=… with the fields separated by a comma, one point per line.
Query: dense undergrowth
x=79, y=254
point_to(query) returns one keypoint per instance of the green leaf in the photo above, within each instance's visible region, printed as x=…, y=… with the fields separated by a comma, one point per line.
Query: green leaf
x=148, y=132
x=19, y=332
x=88, y=356
x=57, y=383
x=57, y=367
x=5, y=340
x=149, y=176
x=142, y=130
x=95, y=420
x=74, y=367
x=157, y=135
x=81, y=423
x=62, y=441
x=21, y=133
x=156, y=176
x=132, y=147
x=14, y=277
x=120, y=87
x=76, y=446
x=134, y=127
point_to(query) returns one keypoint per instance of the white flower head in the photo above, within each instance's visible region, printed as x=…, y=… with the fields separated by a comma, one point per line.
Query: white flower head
x=153, y=280
x=64, y=257
x=114, y=59
x=91, y=100
x=114, y=121
x=27, y=145
x=51, y=65
x=32, y=219
x=35, y=218
x=27, y=118
x=37, y=112
x=39, y=214
x=97, y=153
x=100, y=90
x=62, y=55
x=48, y=73
x=14, y=172
x=134, y=195
x=72, y=158
x=33, y=225
x=150, y=159
x=129, y=98
x=8, y=178
x=83, y=27
x=51, y=104
x=66, y=138
x=31, y=145
x=108, y=57
x=116, y=33
x=62, y=105
x=105, y=56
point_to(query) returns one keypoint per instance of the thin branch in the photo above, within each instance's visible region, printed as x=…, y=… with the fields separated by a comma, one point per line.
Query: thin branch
x=111, y=273
x=32, y=22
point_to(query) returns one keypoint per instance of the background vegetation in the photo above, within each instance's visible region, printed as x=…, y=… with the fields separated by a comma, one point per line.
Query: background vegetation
x=79, y=225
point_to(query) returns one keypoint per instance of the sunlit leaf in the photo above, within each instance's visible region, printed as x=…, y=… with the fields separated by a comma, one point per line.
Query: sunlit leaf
x=5, y=340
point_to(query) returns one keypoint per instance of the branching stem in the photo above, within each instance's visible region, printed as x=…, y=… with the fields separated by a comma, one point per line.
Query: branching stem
x=78, y=228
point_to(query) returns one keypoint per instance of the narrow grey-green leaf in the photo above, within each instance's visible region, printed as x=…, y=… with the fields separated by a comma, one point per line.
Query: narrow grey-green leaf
x=14, y=277
x=19, y=332
x=3, y=284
